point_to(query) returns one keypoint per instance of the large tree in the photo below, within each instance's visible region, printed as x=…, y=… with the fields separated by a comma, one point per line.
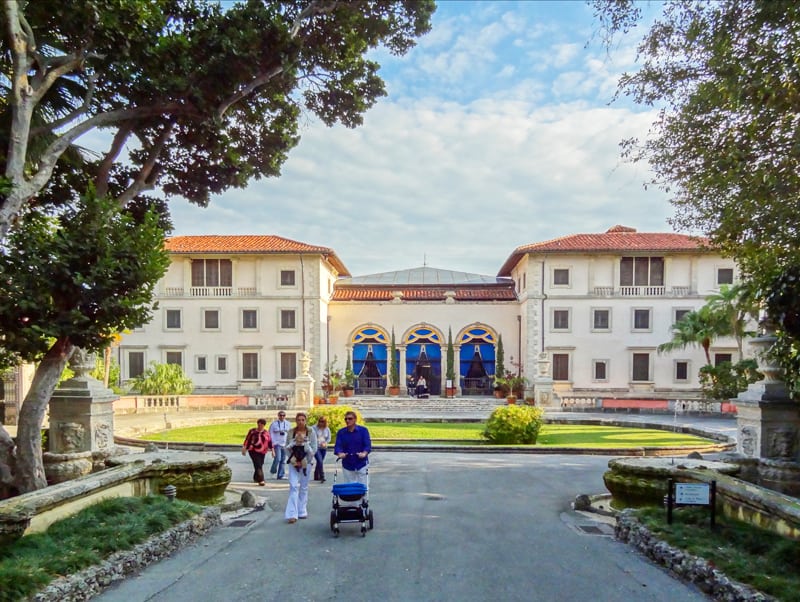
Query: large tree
x=725, y=78
x=71, y=280
x=195, y=96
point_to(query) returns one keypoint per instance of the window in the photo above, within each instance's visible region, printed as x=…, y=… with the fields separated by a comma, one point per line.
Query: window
x=681, y=371
x=212, y=272
x=601, y=319
x=249, y=366
x=174, y=357
x=641, y=319
x=719, y=358
x=641, y=367
x=222, y=363
x=524, y=281
x=288, y=319
x=173, y=317
x=600, y=370
x=287, y=277
x=560, y=319
x=724, y=276
x=135, y=364
x=201, y=363
x=560, y=276
x=210, y=319
x=679, y=314
x=249, y=319
x=561, y=366
x=641, y=271
x=288, y=366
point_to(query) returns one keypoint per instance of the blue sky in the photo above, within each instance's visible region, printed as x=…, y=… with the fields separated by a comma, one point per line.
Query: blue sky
x=498, y=131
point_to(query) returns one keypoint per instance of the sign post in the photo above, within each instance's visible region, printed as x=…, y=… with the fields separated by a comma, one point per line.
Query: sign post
x=692, y=494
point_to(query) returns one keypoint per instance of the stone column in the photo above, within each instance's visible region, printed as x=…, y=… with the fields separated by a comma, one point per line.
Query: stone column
x=768, y=421
x=81, y=423
x=457, y=368
x=304, y=384
x=402, y=377
x=543, y=383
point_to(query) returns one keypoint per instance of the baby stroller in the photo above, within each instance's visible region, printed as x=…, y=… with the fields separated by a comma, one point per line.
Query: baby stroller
x=357, y=513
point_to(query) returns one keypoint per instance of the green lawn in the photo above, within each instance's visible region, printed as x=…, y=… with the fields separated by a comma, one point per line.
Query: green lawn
x=554, y=435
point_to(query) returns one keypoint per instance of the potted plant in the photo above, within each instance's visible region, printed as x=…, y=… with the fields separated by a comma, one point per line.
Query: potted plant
x=332, y=381
x=348, y=386
x=450, y=375
x=512, y=386
x=394, y=377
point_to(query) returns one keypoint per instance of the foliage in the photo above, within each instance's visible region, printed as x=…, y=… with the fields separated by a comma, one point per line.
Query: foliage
x=99, y=372
x=499, y=365
x=450, y=373
x=162, y=379
x=196, y=128
x=698, y=327
x=514, y=424
x=85, y=539
x=511, y=384
x=332, y=378
x=726, y=380
x=82, y=275
x=725, y=144
x=394, y=369
x=349, y=375
x=334, y=414
x=782, y=308
x=743, y=552
x=736, y=307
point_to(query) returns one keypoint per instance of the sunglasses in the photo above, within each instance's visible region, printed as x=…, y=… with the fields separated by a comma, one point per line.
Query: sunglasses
x=350, y=418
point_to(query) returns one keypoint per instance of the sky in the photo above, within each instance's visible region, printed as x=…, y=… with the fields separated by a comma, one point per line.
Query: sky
x=498, y=130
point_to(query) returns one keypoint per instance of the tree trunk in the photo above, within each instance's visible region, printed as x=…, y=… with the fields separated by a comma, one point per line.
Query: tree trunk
x=30, y=468
x=8, y=466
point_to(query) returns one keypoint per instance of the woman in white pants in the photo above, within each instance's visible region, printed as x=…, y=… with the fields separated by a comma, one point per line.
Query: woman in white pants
x=299, y=437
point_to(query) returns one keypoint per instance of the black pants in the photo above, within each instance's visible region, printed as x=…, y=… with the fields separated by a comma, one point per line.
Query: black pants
x=258, y=465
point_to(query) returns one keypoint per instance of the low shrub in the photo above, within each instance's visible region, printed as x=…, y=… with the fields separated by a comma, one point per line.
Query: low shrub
x=334, y=414
x=514, y=424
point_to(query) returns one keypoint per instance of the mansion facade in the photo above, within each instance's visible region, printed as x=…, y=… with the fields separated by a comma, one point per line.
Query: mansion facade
x=239, y=312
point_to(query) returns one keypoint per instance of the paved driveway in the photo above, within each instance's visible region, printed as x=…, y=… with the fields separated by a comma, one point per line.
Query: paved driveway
x=448, y=526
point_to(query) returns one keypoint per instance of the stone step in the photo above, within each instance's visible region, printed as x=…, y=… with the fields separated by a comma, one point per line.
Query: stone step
x=432, y=404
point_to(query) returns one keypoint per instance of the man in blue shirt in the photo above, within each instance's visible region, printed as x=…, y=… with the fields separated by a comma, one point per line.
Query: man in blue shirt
x=352, y=447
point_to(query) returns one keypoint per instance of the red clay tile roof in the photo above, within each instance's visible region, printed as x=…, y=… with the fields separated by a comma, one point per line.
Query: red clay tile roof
x=619, y=239
x=250, y=244
x=362, y=293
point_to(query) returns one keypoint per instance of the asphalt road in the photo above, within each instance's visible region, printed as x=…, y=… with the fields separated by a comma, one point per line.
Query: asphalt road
x=448, y=526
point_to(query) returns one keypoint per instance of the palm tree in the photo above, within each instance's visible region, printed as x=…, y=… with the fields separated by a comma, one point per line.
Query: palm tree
x=699, y=327
x=735, y=306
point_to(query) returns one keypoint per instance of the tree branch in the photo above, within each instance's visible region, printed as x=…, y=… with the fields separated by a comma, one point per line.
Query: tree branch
x=142, y=181
x=81, y=110
x=101, y=179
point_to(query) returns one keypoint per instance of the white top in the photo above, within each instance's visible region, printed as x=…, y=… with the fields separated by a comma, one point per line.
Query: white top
x=278, y=430
x=323, y=436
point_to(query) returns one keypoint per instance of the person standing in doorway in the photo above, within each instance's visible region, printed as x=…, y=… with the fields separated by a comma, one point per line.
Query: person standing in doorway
x=299, y=436
x=277, y=432
x=422, y=386
x=353, y=446
x=257, y=443
x=323, y=434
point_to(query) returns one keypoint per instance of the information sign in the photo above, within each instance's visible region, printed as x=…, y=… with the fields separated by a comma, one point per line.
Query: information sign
x=692, y=494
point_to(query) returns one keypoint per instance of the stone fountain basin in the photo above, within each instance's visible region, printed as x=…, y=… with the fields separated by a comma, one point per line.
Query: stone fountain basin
x=198, y=476
x=644, y=481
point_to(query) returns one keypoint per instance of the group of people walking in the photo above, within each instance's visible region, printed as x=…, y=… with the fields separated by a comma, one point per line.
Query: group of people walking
x=296, y=449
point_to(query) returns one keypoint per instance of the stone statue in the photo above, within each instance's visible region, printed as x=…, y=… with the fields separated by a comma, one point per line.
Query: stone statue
x=305, y=363
x=72, y=436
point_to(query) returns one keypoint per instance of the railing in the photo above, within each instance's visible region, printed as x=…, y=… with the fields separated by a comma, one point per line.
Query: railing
x=211, y=291
x=477, y=386
x=370, y=386
x=641, y=291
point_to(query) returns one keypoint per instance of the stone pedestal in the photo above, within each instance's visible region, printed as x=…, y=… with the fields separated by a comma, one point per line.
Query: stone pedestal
x=543, y=383
x=81, y=423
x=768, y=422
x=304, y=385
